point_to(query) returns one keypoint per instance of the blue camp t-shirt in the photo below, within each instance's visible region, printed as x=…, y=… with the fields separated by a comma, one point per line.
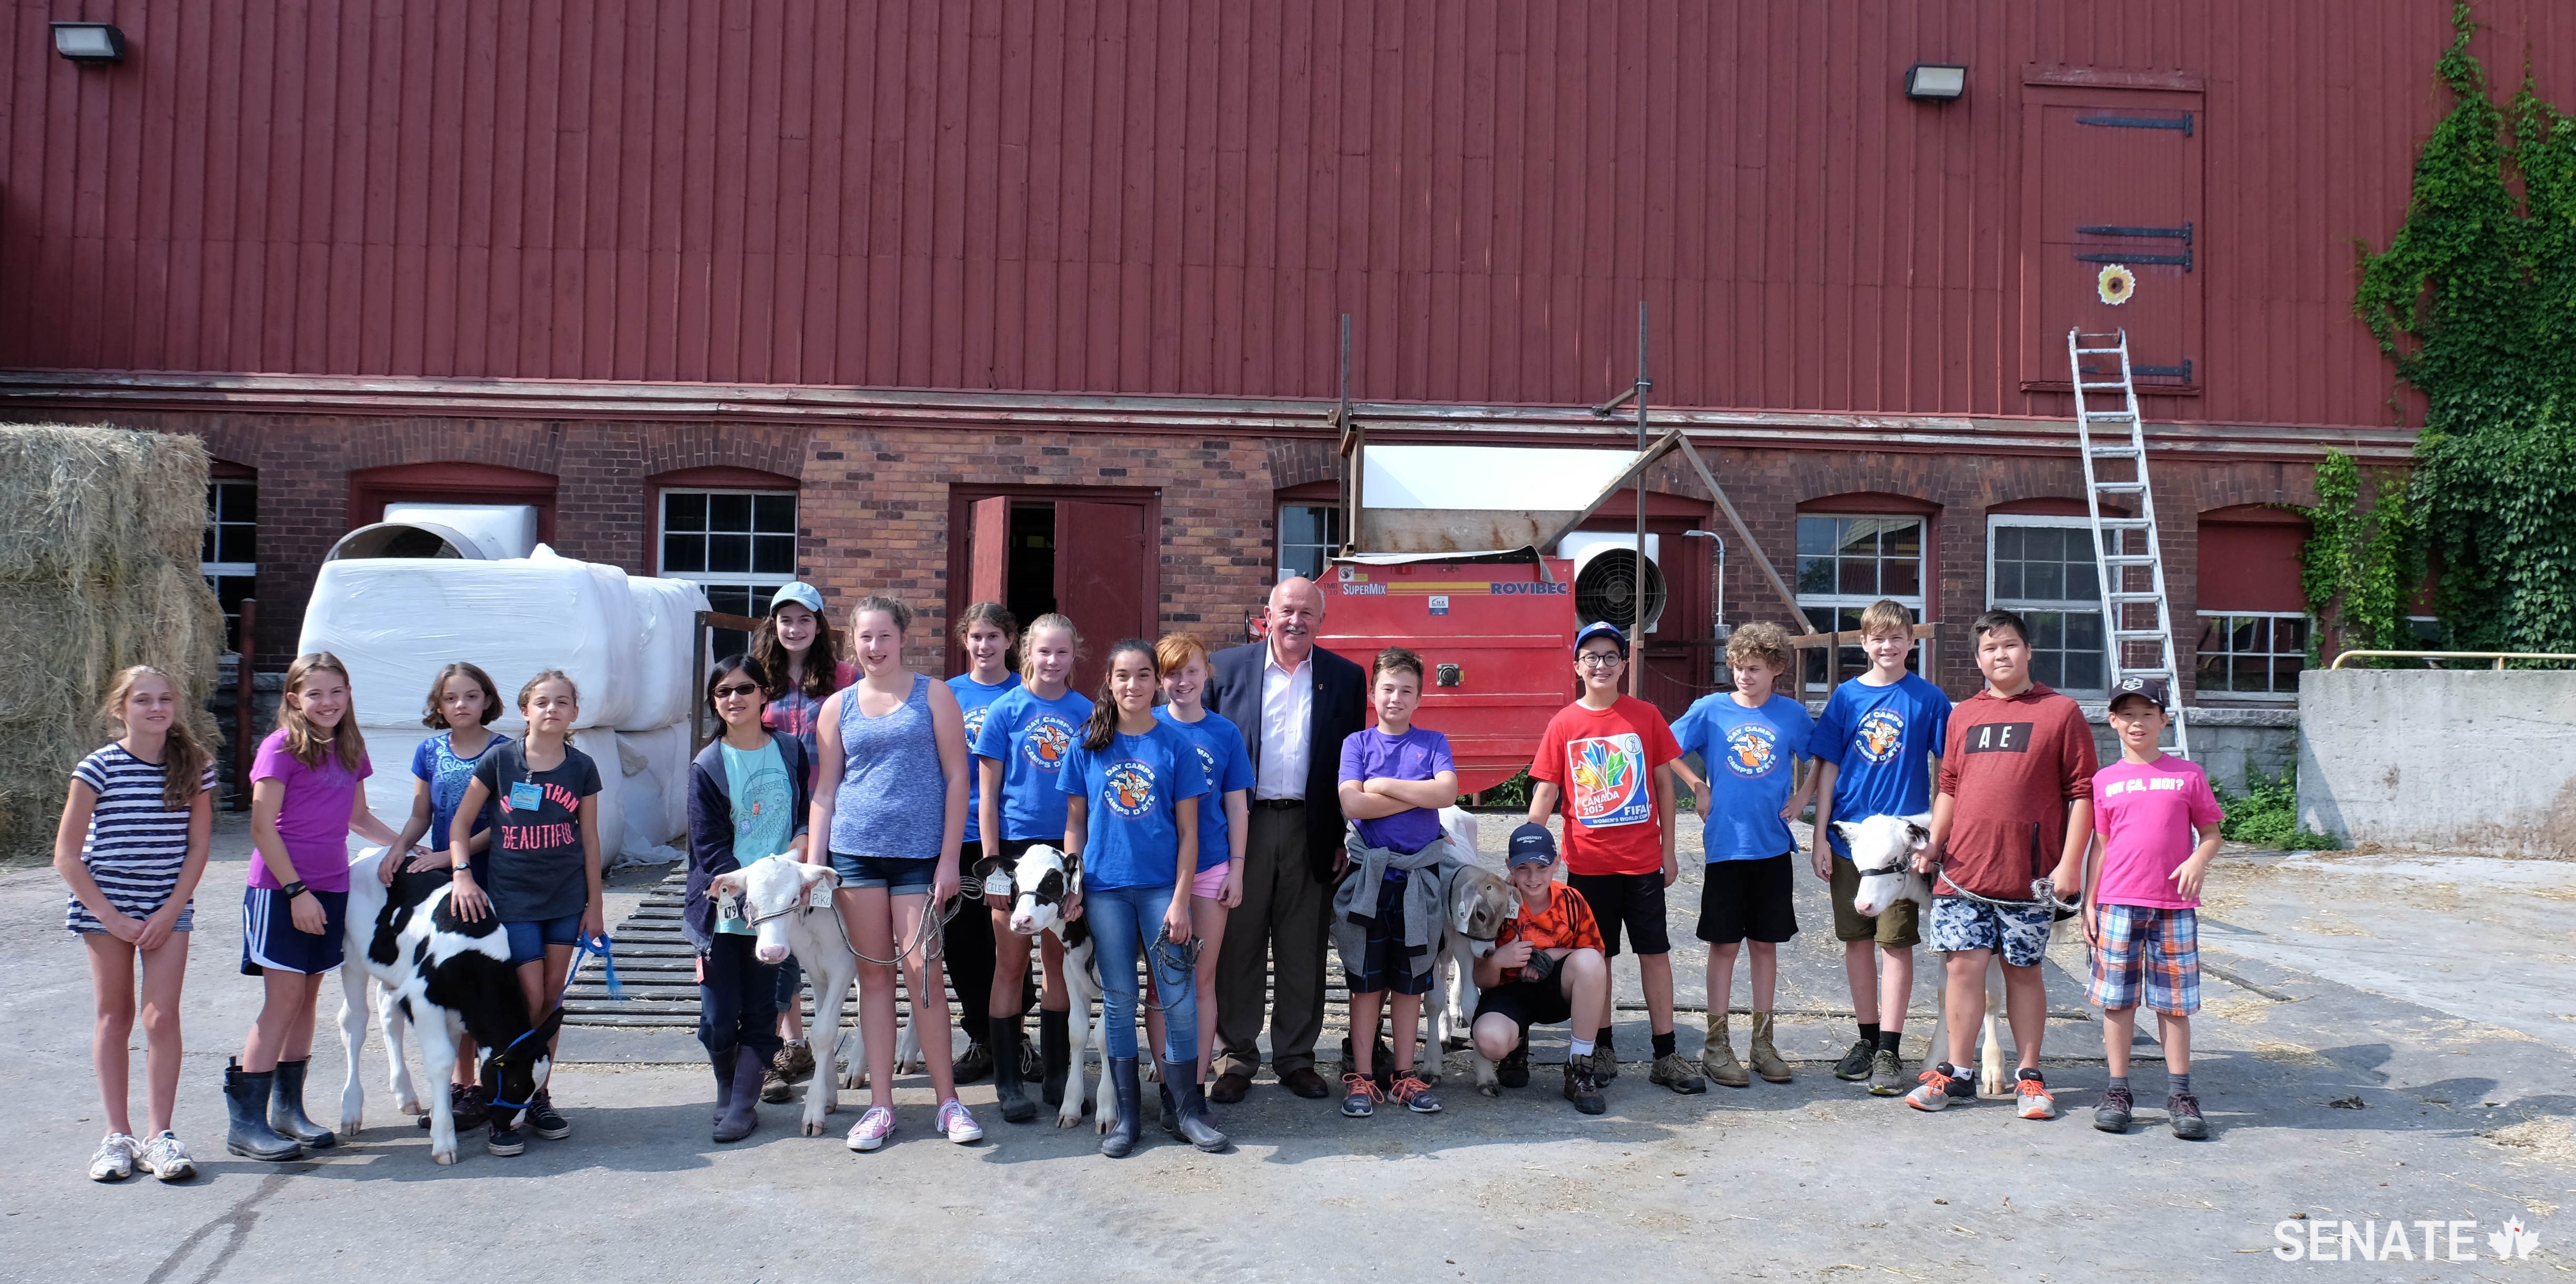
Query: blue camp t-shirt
x=435, y=761
x=1751, y=756
x=1880, y=740
x=975, y=700
x=1229, y=768
x=1134, y=788
x=1030, y=738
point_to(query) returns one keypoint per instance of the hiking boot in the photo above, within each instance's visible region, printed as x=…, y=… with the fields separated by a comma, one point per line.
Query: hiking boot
x=114, y=1160
x=1671, y=1071
x=1940, y=1088
x=547, y=1122
x=1855, y=1065
x=1583, y=1089
x=466, y=1104
x=2184, y=1112
x=1886, y=1074
x=796, y=1060
x=165, y=1158
x=774, y=1081
x=1605, y=1062
x=2113, y=1114
x=1360, y=1095
x=504, y=1140
x=1717, y=1055
x=1766, y=1058
x=1413, y=1094
x=975, y=1062
x=2031, y=1098
x=1513, y=1070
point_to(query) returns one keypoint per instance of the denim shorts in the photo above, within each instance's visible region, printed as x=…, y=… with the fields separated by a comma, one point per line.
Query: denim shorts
x=528, y=940
x=900, y=876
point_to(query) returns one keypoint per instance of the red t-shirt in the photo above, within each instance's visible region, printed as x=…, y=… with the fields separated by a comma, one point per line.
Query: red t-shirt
x=1603, y=761
x=2013, y=766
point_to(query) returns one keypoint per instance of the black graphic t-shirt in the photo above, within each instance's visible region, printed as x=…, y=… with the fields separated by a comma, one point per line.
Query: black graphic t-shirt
x=536, y=833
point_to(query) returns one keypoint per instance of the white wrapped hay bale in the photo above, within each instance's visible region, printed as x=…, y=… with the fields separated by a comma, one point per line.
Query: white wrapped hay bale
x=396, y=621
x=657, y=784
x=667, y=652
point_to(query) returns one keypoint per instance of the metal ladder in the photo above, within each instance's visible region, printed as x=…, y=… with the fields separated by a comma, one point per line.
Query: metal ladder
x=2118, y=567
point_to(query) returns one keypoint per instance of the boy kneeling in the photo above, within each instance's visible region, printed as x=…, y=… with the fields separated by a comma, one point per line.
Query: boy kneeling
x=1546, y=967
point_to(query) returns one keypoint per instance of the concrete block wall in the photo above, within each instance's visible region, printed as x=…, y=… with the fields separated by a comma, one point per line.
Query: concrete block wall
x=2462, y=760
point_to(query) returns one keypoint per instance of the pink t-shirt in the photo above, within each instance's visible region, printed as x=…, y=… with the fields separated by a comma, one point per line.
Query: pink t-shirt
x=2145, y=813
x=313, y=821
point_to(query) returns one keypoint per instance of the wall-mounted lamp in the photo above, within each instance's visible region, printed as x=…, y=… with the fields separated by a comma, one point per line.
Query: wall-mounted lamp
x=88, y=42
x=1935, y=82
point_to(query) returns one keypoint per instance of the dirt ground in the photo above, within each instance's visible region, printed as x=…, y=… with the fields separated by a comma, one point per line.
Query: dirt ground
x=2385, y=1036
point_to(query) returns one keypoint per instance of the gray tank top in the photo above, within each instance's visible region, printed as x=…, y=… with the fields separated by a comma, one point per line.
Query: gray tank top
x=893, y=802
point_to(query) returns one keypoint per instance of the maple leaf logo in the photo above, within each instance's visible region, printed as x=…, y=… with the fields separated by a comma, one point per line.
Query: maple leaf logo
x=2513, y=1241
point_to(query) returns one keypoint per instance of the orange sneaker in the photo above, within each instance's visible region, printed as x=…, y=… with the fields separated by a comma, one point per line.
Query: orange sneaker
x=1360, y=1095
x=1937, y=1089
x=2031, y=1098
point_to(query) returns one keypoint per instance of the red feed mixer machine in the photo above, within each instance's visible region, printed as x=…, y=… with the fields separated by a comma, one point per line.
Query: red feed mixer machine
x=1448, y=553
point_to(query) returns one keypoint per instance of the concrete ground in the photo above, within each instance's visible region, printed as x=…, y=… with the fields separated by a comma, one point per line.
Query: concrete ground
x=2384, y=1037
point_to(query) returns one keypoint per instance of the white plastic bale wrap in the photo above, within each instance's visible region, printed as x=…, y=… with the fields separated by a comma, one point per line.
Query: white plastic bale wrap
x=657, y=782
x=668, y=611
x=396, y=621
x=601, y=744
x=389, y=791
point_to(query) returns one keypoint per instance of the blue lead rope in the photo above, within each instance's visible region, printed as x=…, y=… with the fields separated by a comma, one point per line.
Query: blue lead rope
x=605, y=949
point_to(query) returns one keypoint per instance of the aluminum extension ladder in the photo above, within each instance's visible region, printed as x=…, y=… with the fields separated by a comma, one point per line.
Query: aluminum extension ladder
x=2121, y=566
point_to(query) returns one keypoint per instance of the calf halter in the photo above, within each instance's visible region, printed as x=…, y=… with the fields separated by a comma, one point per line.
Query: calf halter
x=605, y=949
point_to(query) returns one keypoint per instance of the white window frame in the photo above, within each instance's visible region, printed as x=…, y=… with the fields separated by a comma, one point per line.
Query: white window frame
x=1279, y=526
x=753, y=580
x=2273, y=676
x=2024, y=606
x=1859, y=601
x=214, y=571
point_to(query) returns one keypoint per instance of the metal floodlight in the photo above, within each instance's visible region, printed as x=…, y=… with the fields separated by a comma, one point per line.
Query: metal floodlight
x=1935, y=82
x=87, y=42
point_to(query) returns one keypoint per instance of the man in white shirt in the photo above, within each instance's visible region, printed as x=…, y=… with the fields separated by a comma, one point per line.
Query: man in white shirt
x=1294, y=702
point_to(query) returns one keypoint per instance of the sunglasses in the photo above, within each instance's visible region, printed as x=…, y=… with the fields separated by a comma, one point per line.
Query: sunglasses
x=742, y=690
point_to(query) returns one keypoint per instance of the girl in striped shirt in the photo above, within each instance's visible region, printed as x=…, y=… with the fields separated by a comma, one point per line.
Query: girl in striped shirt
x=132, y=846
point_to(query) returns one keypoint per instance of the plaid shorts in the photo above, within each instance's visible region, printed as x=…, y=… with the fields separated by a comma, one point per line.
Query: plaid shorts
x=2157, y=949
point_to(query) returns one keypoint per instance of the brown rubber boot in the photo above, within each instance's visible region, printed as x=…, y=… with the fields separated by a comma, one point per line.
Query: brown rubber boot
x=1718, y=1056
x=1766, y=1059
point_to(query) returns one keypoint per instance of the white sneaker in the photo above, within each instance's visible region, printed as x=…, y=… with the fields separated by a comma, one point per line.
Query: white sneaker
x=872, y=1129
x=166, y=1159
x=959, y=1122
x=114, y=1160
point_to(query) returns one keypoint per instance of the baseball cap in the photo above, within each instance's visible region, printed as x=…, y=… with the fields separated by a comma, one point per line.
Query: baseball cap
x=801, y=593
x=2151, y=689
x=1531, y=845
x=1600, y=629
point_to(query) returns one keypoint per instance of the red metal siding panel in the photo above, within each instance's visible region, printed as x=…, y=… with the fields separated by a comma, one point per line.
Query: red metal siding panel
x=1158, y=196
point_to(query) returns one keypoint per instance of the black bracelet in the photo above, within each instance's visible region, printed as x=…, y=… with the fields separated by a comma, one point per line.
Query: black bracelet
x=294, y=889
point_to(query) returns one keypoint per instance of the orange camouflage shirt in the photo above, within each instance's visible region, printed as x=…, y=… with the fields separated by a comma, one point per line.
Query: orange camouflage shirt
x=1566, y=923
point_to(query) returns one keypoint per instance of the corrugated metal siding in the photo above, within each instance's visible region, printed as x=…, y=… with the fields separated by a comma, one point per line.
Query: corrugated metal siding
x=1177, y=197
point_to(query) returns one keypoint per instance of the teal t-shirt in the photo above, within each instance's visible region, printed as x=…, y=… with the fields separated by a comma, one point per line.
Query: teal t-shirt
x=764, y=810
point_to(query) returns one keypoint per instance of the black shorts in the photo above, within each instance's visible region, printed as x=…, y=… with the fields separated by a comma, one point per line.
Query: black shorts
x=1527, y=1003
x=1387, y=966
x=1742, y=900
x=270, y=939
x=1633, y=901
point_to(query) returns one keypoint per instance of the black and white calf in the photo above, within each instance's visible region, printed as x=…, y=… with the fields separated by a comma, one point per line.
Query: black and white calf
x=1040, y=881
x=445, y=977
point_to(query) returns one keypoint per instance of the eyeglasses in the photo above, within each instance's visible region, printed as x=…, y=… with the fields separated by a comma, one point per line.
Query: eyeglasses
x=1599, y=659
x=743, y=690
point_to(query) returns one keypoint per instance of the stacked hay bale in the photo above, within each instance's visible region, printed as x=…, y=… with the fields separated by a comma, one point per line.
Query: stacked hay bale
x=100, y=530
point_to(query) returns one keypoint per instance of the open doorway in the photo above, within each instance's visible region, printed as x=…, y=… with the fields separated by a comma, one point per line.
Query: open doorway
x=1090, y=552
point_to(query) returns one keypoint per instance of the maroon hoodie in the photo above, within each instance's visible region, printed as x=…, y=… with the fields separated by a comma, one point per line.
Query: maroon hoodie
x=2012, y=766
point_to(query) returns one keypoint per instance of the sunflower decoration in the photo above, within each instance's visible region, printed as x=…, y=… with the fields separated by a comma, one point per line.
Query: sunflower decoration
x=2115, y=285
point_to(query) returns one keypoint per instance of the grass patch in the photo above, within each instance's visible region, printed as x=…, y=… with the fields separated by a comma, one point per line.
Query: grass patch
x=2267, y=814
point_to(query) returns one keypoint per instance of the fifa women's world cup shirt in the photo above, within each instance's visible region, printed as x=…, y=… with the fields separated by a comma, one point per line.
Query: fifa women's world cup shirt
x=1603, y=763
x=1031, y=737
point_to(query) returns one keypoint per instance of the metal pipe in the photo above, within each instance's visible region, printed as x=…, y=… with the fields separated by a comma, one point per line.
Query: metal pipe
x=2498, y=656
x=245, y=697
x=1637, y=612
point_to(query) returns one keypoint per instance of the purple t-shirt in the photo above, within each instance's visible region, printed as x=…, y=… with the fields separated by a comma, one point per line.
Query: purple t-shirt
x=1418, y=754
x=313, y=821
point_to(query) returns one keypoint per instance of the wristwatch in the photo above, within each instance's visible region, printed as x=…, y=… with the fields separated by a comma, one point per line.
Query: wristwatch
x=294, y=889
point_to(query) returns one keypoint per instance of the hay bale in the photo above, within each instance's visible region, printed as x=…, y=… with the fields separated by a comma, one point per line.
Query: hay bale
x=99, y=538
x=84, y=505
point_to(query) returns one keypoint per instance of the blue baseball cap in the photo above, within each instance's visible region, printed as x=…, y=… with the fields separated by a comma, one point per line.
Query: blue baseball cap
x=1601, y=629
x=801, y=593
x=1531, y=845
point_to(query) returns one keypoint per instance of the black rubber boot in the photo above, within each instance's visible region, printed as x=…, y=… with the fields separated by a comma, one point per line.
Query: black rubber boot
x=742, y=1110
x=246, y=1099
x=1193, y=1125
x=1171, y=1119
x=1122, y=1134
x=286, y=1107
x=721, y=1061
x=1055, y=1050
x=1007, y=1088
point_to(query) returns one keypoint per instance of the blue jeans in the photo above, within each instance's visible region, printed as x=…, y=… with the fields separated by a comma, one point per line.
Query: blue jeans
x=1125, y=920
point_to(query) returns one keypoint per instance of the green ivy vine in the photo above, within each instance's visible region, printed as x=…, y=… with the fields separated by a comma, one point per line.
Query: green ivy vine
x=2474, y=301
